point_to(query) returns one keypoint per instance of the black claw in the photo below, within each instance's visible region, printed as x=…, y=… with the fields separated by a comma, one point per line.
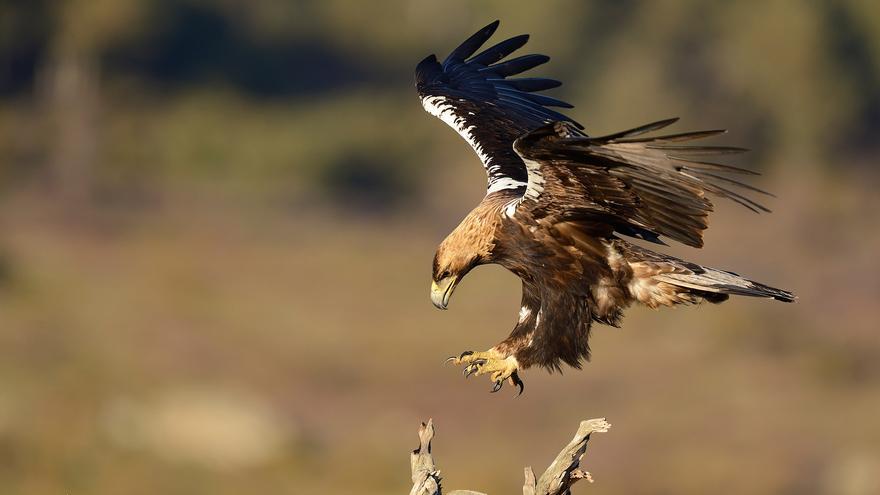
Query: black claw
x=518, y=383
x=450, y=359
x=470, y=370
x=465, y=353
x=497, y=386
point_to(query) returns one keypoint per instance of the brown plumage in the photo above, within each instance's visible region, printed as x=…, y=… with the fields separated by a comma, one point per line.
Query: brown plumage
x=558, y=204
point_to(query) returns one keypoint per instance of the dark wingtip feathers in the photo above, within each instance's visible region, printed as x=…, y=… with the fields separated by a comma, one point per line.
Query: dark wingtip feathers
x=637, y=131
x=760, y=290
x=468, y=74
x=528, y=84
x=786, y=297
x=517, y=65
x=500, y=50
x=469, y=46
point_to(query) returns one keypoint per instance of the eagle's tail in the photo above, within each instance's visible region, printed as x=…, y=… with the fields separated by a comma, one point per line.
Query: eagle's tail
x=714, y=285
x=663, y=280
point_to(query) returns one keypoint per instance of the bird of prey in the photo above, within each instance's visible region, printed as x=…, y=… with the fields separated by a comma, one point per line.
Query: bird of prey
x=560, y=202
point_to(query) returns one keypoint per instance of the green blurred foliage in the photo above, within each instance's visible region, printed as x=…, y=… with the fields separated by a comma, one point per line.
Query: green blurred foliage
x=217, y=220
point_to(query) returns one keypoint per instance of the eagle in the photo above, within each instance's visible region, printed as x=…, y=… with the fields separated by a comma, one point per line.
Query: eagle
x=560, y=205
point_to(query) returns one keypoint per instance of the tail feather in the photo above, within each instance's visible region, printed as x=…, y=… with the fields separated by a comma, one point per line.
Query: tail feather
x=722, y=282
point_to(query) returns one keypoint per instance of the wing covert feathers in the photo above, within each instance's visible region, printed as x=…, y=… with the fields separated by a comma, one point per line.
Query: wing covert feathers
x=658, y=183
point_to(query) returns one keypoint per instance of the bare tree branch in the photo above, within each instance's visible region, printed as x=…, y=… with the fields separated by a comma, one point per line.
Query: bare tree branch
x=556, y=480
x=564, y=472
x=425, y=476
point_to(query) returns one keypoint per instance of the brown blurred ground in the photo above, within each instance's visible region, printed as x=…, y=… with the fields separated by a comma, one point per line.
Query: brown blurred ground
x=214, y=270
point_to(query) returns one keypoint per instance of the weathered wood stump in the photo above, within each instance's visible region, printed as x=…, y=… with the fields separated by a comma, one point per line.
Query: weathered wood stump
x=556, y=480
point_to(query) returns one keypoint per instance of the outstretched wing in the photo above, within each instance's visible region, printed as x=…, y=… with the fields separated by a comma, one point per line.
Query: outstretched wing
x=641, y=186
x=475, y=95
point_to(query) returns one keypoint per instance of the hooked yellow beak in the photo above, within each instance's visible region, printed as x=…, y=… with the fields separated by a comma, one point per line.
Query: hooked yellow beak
x=441, y=291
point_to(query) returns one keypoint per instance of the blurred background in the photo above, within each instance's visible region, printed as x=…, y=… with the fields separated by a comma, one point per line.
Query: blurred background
x=217, y=221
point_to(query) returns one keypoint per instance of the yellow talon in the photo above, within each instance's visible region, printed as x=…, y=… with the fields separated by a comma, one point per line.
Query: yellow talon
x=498, y=366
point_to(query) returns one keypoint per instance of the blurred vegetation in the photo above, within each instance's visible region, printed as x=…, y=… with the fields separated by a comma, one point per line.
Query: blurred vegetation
x=136, y=96
x=218, y=218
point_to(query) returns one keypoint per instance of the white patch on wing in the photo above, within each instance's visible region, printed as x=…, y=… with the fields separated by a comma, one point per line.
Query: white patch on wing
x=536, y=180
x=502, y=183
x=534, y=188
x=524, y=314
x=510, y=208
x=442, y=108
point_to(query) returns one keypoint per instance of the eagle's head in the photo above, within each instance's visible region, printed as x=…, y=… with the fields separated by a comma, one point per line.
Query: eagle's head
x=468, y=246
x=451, y=264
